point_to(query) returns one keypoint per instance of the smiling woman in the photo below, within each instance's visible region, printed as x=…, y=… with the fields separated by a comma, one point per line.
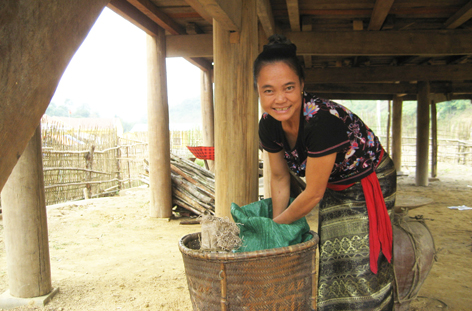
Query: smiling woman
x=347, y=173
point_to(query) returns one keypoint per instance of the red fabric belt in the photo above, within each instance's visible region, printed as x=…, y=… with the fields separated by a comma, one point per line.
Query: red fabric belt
x=380, y=227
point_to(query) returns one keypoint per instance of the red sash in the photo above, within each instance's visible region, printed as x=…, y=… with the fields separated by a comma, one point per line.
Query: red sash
x=380, y=227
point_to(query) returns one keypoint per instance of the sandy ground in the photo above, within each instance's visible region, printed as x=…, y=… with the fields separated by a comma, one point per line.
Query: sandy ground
x=107, y=254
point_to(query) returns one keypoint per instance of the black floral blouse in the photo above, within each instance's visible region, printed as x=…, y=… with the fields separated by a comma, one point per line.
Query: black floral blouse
x=325, y=127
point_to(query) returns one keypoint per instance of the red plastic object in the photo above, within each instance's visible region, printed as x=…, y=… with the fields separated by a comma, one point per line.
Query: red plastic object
x=203, y=153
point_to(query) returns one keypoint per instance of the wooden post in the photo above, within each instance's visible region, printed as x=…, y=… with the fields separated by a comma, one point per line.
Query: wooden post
x=25, y=225
x=388, y=125
x=208, y=120
x=236, y=138
x=266, y=173
x=397, y=132
x=434, y=140
x=88, y=174
x=422, y=134
x=158, y=128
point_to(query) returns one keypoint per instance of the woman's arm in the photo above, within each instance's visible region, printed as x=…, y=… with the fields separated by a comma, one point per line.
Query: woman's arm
x=279, y=183
x=317, y=175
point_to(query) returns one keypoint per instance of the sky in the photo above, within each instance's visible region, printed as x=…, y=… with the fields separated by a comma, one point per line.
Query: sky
x=108, y=72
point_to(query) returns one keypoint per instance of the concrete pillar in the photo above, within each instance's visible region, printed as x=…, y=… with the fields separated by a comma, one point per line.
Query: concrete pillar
x=25, y=225
x=422, y=133
x=208, y=120
x=158, y=128
x=236, y=112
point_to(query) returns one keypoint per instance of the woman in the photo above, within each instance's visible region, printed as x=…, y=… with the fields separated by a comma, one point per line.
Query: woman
x=347, y=173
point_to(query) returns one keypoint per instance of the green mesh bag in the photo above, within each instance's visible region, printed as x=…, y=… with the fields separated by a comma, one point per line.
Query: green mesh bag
x=258, y=231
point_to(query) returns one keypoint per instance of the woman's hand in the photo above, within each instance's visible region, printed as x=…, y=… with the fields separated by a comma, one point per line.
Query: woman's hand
x=317, y=174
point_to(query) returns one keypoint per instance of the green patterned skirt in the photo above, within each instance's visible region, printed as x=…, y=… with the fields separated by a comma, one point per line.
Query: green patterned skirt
x=345, y=279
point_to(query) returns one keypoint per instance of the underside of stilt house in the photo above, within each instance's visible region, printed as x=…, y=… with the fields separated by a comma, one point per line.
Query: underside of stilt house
x=351, y=49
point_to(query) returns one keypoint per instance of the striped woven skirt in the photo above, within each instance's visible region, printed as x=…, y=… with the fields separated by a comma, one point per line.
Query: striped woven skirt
x=345, y=279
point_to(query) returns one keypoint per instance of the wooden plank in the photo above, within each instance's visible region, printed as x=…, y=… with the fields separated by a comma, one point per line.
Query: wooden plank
x=389, y=74
x=379, y=14
x=190, y=46
x=264, y=12
x=226, y=12
x=293, y=14
x=134, y=16
x=369, y=43
x=460, y=17
x=153, y=13
x=197, y=6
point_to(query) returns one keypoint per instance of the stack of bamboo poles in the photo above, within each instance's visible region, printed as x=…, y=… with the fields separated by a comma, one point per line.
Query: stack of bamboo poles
x=193, y=187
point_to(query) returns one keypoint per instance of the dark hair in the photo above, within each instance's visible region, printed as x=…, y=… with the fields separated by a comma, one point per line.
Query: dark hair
x=279, y=49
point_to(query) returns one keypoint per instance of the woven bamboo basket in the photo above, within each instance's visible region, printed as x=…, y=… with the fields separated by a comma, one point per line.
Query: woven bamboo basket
x=276, y=279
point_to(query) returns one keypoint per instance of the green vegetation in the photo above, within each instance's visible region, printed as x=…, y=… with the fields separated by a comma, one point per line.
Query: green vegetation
x=70, y=109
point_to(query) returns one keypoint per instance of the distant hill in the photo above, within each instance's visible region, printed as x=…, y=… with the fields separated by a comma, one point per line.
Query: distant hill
x=188, y=111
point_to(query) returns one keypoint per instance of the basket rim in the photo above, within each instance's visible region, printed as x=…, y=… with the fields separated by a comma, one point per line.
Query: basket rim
x=245, y=255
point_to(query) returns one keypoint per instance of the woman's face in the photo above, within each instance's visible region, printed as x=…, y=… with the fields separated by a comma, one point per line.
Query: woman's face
x=280, y=91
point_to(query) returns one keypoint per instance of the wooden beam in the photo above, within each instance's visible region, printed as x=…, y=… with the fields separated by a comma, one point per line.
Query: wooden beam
x=153, y=13
x=360, y=43
x=458, y=60
x=193, y=29
x=379, y=14
x=389, y=74
x=293, y=14
x=226, y=12
x=362, y=88
x=134, y=16
x=190, y=46
x=201, y=63
x=198, y=7
x=344, y=96
x=387, y=88
x=307, y=25
x=264, y=12
x=460, y=17
x=357, y=24
x=387, y=43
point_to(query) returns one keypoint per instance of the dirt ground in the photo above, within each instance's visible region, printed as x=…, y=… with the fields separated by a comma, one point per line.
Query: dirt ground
x=108, y=254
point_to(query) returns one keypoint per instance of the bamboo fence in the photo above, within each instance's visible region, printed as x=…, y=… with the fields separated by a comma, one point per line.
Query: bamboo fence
x=88, y=162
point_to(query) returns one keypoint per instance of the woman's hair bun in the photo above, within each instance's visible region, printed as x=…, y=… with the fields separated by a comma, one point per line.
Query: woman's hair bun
x=277, y=41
